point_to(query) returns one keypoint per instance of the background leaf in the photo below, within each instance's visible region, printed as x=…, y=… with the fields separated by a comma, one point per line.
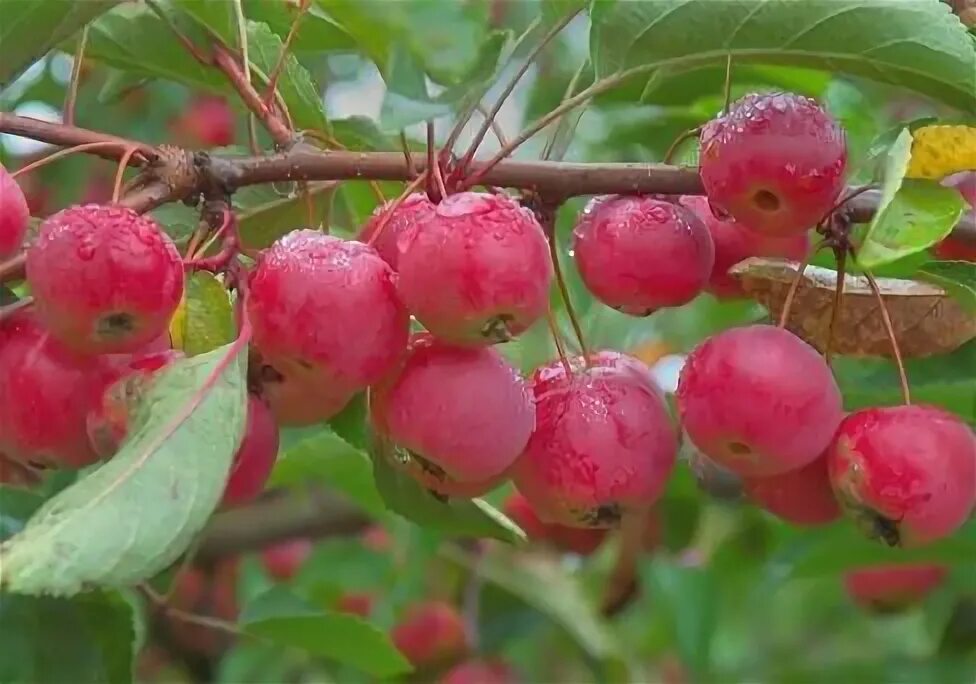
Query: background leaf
x=287, y=620
x=268, y=216
x=917, y=45
x=29, y=29
x=132, y=516
x=206, y=317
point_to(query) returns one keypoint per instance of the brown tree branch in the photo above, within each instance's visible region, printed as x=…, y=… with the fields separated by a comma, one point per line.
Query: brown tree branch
x=553, y=179
x=276, y=516
x=274, y=124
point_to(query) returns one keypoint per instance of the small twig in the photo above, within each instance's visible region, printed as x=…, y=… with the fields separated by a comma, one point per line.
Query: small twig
x=784, y=315
x=435, y=181
x=583, y=96
x=490, y=116
x=622, y=585
x=389, y=210
x=673, y=148
x=199, y=235
x=226, y=62
x=570, y=90
x=890, y=330
x=407, y=156
x=72, y=97
x=120, y=174
x=11, y=309
x=275, y=73
x=188, y=44
x=841, y=255
x=185, y=616
x=495, y=128
x=60, y=154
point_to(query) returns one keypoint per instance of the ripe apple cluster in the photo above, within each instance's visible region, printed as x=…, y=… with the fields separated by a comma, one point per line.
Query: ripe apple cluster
x=413, y=311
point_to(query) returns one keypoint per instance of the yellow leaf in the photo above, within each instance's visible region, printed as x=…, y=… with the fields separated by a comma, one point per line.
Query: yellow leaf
x=177, y=325
x=939, y=151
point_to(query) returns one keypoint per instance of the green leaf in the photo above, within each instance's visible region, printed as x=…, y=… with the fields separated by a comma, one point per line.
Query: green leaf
x=285, y=619
x=88, y=638
x=317, y=32
x=948, y=380
x=319, y=455
x=918, y=45
x=690, y=598
x=456, y=517
x=217, y=16
x=262, y=224
x=361, y=133
x=207, y=321
x=30, y=28
x=16, y=506
x=542, y=584
x=132, y=516
x=958, y=278
x=920, y=214
x=835, y=548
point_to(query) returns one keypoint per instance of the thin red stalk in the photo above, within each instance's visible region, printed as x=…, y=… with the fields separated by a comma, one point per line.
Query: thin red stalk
x=558, y=341
x=728, y=83
x=72, y=97
x=188, y=44
x=673, y=148
x=564, y=290
x=283, y=54
x=13, y=268
x=784, y=315
x=277, y=128
x=599, y=87
x=60, y=154
x=185, y=616
x=495, y=128
x=388, y=211
x=120, y=173
x=434, y=168
x=890, y=330
x=490, y=116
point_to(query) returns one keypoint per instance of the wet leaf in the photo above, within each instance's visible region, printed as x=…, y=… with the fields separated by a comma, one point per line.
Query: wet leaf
x=920, y=214
x=130, y=517
x=957, y=277
x=205, y=319
x=925, y=319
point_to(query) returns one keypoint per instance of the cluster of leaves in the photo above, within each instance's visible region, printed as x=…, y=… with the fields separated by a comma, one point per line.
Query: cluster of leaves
x=762, y=600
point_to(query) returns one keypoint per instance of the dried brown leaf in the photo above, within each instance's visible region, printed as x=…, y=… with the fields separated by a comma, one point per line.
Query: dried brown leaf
x=926, y=320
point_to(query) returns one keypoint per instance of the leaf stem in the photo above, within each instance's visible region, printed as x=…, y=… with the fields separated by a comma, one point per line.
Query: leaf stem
x=597, y=88
x=490, y=116
x=72, y=97
x=890, y=330
x=784, y=315
x=120, y=173
x=841, y=256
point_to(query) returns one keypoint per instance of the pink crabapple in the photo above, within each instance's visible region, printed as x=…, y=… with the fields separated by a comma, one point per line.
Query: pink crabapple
x=207, y=121
x=802, y=497
x=14, y=215
x=906, y=473
x=295, y=401
x=104, y=278
x=758, y=400
x=893, y=587
x=571, y=539
x=463, y=414
x=775, y=162
x=255, y=457
x=476, y=270
x=326, y=310
x=46, y=393
x=638, y=254
x=603, y=443
x=734, y=243
x=414, y=209
x=282, y=560
x=430, y=633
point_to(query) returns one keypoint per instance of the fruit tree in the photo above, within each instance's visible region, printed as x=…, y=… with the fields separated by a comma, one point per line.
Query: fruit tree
x=487, y=341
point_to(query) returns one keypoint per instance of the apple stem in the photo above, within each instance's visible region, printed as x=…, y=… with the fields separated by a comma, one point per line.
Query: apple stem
x=490, y=116
x=72, y=96
x=407, y=156
x=673, y=148
x=435, y=181
x=563, y=289
x=495, y=128
x=784, y=315
x=13, y=268
x=570, y=89
x=84, y=147
x=890, y=330
x=728, y=84
x=841, y=256
x=120, y=173
x=388, y=210
x=558, y=341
